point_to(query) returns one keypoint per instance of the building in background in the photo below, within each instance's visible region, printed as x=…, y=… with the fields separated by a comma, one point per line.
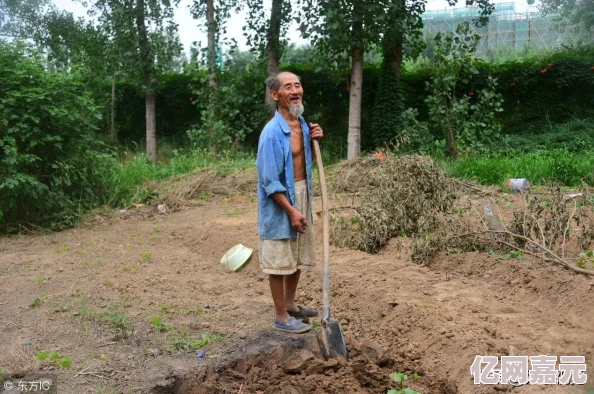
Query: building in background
x=507, y=27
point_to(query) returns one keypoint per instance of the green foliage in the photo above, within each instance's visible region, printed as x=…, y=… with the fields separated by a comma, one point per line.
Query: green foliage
x=55, y=358
x=159, y=324
x=174, y=107
x=585, y=258
x=181, y=341
x=514, y=254
x=389, y=104
x=532, y=100
x=232, y=110
x=466, y=123
x=36, y=302
x=128, y=182
x=120, y=321
x=399, y=378
x=60, y=308
x=206, y=339
x=575, y=136
x=559, y=166
x=51, y=160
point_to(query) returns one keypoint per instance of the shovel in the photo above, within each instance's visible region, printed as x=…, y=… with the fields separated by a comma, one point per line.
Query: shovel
x=330, y=335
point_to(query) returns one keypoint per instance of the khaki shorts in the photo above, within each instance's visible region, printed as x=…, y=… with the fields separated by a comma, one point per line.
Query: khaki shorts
x=285, y=256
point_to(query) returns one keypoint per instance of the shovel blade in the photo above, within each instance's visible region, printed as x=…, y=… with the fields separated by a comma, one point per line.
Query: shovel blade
x=331, y=340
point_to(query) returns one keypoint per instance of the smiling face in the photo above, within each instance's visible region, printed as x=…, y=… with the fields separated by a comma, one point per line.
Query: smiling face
x=289, y=94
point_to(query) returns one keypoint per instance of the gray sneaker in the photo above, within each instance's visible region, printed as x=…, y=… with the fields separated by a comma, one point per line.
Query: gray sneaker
x=292, y=325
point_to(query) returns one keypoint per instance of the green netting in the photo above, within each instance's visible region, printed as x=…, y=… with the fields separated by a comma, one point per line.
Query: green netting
x=505, y=28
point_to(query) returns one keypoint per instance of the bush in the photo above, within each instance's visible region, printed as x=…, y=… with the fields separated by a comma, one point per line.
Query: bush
x=465, y=122
x=51, y=166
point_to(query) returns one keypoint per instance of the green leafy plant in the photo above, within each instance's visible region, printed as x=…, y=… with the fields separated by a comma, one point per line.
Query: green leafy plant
x=514, y=254
x=48, y=122
x=60, y=308
x=55, y=358
x=159, y=324
x=62, y=249
x=464, y=117
x=585, y=258
x=146, y=255
x=36, y=302
x=399, y=378
x=206, y=339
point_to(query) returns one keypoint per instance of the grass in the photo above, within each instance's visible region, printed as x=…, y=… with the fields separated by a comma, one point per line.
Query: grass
x=181, y=342
x=126, y=181
x=41, y=280
x=559, y=166
x=36, y=302
x=119, y=320
x=236, y=212
x=114, y=318
x=575, y=135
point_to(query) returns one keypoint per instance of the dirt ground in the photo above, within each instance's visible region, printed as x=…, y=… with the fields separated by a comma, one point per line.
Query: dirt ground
x=127, y=296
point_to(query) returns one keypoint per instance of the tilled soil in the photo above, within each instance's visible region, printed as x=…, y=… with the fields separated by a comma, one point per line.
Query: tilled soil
x=128, y=296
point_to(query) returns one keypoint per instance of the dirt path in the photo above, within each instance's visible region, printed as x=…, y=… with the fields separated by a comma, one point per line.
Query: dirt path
x=99, y=289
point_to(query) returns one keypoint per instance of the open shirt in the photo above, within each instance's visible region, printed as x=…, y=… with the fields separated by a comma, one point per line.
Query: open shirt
x=274, y=163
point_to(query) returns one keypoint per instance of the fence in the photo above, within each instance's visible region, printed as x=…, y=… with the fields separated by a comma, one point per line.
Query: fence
x=506, y=27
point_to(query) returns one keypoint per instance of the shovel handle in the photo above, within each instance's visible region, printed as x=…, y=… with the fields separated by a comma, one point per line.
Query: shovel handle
x=326, y=233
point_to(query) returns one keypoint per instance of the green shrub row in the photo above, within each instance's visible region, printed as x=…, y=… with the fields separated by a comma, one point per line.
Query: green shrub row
x=536, y=91
x=51, y=162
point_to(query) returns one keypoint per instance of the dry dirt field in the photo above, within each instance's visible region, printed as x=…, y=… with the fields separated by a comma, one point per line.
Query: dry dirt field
x=133, y=298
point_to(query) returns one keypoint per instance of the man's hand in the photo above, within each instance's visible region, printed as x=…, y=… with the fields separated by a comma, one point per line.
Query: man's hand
x=298, y=221
x=315, y=131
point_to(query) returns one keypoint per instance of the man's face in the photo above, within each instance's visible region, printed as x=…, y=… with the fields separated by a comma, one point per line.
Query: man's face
x=290, y=91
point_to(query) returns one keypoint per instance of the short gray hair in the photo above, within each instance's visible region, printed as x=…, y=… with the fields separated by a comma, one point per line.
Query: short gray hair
x=272, y=82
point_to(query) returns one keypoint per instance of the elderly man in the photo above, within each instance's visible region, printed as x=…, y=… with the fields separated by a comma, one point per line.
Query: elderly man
x=285, y=218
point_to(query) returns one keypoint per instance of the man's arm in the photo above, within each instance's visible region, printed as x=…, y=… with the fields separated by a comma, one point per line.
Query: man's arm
x=270, y=163
x=297, y=220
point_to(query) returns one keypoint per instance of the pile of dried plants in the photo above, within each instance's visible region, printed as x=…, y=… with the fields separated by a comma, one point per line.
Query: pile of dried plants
x=389, y=196
x=386, y=196
x=554, y=227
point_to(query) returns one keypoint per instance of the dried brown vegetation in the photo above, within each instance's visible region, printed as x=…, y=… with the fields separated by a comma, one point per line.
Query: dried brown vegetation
x=376, y=200
x=399, y=195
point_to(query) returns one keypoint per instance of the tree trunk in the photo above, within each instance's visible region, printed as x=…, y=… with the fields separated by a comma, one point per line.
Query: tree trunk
x=212, y=28
x=273, y=47
x=395, y=42
x=151, y=126
x=394, y=52
x=112, y=128
x=147, y=66
x=451, y=149
x=354, y=137
x=357, y=49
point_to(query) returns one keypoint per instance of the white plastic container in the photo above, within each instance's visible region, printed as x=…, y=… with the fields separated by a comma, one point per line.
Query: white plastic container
x=519, y=184
x=236, y=257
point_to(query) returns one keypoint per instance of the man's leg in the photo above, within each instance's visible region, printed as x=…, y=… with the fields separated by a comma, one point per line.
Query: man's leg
x=278, y=296
x=291, y=282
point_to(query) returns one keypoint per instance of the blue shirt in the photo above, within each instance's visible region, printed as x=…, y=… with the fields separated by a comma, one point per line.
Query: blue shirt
x=274, y=163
